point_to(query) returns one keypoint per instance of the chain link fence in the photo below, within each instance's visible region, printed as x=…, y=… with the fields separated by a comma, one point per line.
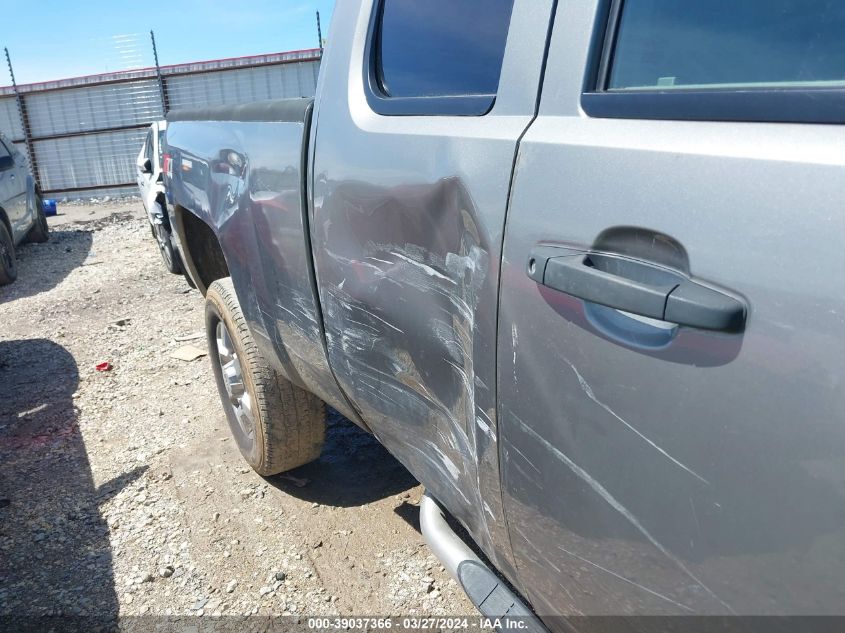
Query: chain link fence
x=82, y=135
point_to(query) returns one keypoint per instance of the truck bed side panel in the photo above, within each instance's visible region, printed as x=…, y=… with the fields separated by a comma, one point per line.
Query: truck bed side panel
x=240, y=170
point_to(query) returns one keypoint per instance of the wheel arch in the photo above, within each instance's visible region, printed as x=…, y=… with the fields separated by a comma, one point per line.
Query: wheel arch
x=202, y=253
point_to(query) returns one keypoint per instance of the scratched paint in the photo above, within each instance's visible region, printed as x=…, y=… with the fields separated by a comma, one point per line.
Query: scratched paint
x=627, y=580
x=403, y=327
x=245, y=182
x=614, y=503
x=592, y=396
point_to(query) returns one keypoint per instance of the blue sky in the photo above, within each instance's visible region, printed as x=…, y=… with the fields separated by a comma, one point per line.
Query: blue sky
x=53, y=39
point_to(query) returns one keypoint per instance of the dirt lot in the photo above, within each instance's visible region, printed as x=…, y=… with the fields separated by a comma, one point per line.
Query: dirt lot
x=121, y=491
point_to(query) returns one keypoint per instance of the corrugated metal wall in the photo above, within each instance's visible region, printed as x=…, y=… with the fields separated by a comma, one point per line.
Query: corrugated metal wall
x=10, y=122
x=105, y=159
x=93, y=107
x=298, y=79
x=86, y=133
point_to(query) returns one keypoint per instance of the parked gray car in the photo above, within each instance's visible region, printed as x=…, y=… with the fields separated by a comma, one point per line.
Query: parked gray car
x=576, y=266
x=21, y=212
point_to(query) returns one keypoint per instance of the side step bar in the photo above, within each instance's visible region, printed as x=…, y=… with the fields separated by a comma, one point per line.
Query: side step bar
x=489, y=594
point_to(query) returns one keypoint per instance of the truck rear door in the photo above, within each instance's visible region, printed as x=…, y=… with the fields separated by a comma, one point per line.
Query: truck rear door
x=672, y=313
x=421, y=106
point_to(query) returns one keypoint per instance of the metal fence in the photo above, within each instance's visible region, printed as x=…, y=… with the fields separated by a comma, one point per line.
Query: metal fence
x=85, y=133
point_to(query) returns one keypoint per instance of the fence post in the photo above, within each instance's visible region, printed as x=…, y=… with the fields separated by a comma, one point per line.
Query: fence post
x=319, y=34
x=33, y=164
x=165, y=106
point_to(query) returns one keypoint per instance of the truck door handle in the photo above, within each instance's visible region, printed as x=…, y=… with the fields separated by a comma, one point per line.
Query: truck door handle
x=640, y=288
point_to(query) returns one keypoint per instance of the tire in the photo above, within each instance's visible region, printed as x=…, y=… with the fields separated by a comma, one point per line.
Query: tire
x=280, y=426
x=40, y=232
x=8, y=263
x=169, y=255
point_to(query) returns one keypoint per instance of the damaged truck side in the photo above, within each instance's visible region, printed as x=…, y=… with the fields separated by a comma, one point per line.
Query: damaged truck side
x=573, y=282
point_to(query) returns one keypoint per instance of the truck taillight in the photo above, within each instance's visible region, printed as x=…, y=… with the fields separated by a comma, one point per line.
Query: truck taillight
x=166, y=162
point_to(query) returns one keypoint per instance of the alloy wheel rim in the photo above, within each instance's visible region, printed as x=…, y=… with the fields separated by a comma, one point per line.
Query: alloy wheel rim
x=233, y=380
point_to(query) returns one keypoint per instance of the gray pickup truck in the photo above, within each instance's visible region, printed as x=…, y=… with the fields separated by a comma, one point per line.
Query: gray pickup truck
x=571, y=263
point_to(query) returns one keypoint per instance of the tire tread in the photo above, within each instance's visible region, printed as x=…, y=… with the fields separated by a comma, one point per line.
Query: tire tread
x=7, y=276
x=292, y=421
x=40, y=231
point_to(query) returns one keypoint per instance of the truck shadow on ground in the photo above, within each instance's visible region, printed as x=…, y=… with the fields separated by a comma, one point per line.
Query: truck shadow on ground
x=57, y=559
x=44, y=266
x=354, y=469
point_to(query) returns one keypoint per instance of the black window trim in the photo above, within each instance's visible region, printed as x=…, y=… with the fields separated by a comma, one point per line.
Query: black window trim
x=763, y=105
x=379, y=102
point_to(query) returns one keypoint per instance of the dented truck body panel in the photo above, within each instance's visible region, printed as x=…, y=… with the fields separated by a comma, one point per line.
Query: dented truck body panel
x=407, y=250
x=607, y=463
x=241, y=171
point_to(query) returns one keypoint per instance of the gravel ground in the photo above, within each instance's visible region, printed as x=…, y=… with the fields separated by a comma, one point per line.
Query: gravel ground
x=121, y=492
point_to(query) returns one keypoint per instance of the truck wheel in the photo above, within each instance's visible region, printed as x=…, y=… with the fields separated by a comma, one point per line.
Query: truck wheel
x=277, y=425
x=8, y=265
x=39, y=232
x=169, y=255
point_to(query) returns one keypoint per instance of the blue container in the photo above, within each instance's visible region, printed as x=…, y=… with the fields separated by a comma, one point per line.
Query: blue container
x=49, y=207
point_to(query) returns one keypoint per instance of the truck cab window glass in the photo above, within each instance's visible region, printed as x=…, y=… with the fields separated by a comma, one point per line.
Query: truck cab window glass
x=711, y=44
x=442, y=47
